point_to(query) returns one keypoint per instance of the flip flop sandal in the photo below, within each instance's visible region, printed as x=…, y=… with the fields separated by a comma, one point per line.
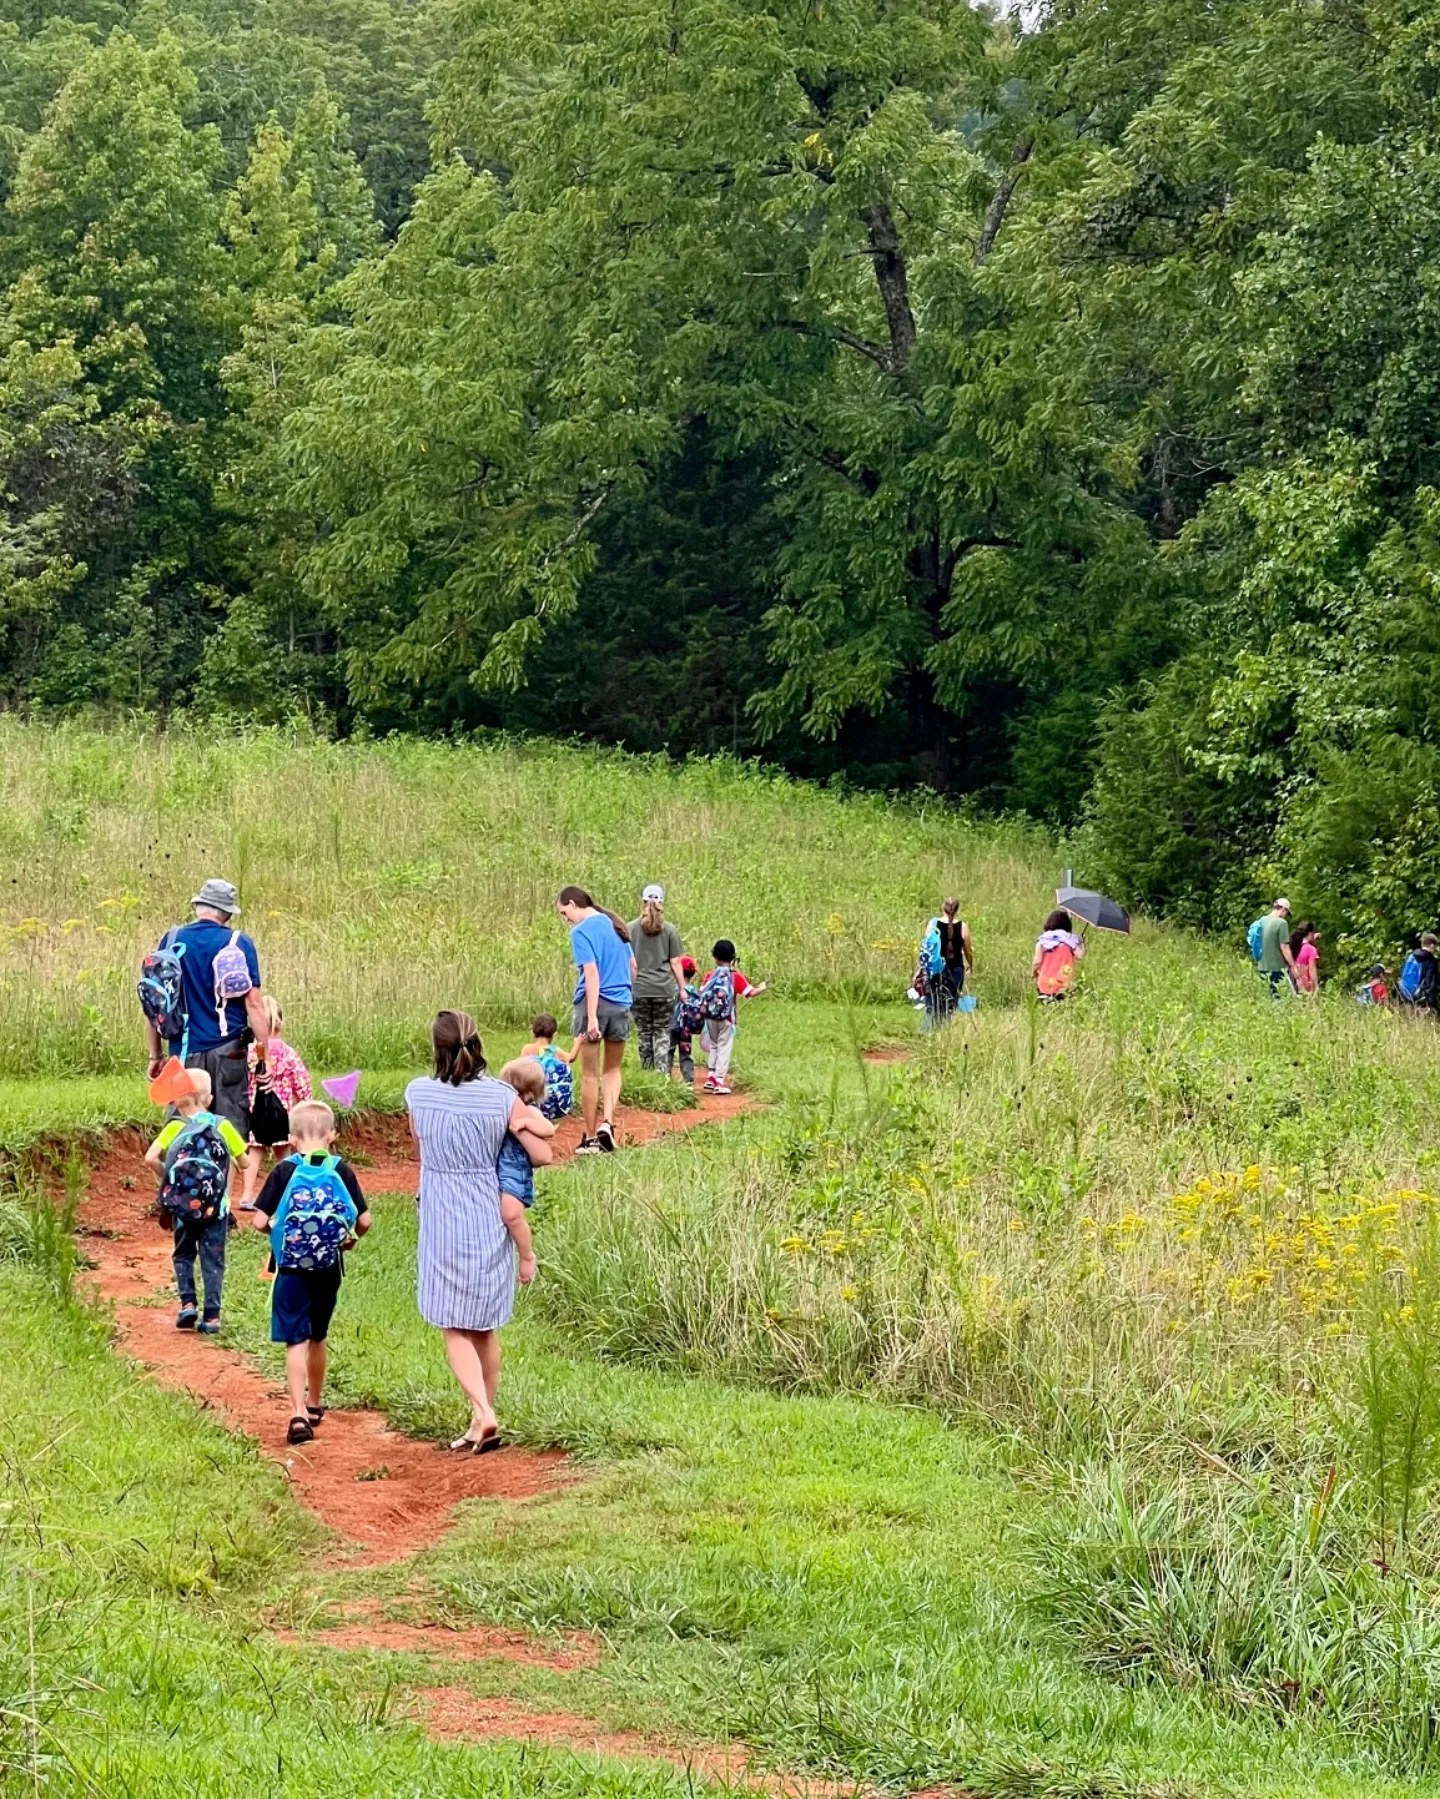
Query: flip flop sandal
x=300, y=1431
x=481, y=1445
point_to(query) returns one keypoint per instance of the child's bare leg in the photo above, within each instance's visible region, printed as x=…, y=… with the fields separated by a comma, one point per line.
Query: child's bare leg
x=254, y=1158
x=512, y=1216
x=315, y=1366
x=467, y=1359
x=590, y=1085
x=297, y=1370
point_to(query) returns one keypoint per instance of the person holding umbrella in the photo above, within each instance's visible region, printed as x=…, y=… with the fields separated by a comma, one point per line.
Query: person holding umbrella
x=1058, y=951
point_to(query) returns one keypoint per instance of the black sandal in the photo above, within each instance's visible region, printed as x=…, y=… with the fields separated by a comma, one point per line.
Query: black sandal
x=301, y=1431
x=316, y=1413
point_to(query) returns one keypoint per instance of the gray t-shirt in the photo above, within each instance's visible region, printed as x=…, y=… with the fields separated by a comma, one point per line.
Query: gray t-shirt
x=654, y=978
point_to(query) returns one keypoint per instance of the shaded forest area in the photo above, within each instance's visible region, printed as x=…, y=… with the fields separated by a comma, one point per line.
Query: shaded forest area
x=1042, y=415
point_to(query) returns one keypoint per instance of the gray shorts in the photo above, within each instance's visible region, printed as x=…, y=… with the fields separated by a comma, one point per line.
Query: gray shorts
x=613, y=1019
x=229, y=1071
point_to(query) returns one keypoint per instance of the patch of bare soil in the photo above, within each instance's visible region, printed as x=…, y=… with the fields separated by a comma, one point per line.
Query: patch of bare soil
x=885, y=1053
x=456, y=1713
x=364, y=1625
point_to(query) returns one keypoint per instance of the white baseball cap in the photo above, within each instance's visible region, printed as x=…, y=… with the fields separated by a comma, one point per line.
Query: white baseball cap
x=652, y=892
x=1281, y=905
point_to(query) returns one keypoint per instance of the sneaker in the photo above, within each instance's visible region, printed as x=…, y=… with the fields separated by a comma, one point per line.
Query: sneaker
x=720, y=1087
x=209, y=1327
x=186, y=1319
x=605, y=1136
x=587, y=1146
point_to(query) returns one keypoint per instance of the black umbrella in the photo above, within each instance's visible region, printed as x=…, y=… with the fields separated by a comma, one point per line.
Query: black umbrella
x=1094, y=908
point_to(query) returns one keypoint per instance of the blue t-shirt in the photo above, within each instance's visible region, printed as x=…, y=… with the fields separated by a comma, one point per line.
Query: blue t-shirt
x=203, y=941
x=512, y=1166
x=596, y=940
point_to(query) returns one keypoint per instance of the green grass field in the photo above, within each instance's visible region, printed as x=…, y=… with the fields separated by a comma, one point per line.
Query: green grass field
x=1052, y=1414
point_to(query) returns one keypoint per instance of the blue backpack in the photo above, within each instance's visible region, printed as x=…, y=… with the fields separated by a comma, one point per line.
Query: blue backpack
x=315, y=1218
x=197, y=1172
x=1413, y=979
x=932, y=957
x=1256, y=941
x=161, y=988
x=687, y=1017
x=559, y=1086
x=717, y=996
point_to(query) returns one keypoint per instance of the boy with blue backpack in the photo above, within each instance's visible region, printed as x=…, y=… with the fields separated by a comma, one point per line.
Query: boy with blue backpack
x=314, y=1210
x=715, y=1004
x=195, y=1152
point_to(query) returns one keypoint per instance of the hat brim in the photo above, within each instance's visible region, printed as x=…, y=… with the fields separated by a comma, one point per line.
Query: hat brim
x=200, y=899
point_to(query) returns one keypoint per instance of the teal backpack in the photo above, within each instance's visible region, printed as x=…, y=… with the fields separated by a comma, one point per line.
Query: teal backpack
x=315, y=1218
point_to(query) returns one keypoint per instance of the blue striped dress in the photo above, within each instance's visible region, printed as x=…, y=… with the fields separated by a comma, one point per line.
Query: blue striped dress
x=466, y=1260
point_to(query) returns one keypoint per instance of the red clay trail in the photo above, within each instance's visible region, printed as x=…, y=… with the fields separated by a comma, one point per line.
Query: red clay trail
x=389, y=1494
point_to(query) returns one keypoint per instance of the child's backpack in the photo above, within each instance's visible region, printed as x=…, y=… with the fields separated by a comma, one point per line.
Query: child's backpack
x=717, y=996
x=231, y=973
x=197, y=1172
x=1056, y=971
x=688, y=1017
x=161, y=988
x=559, y=1086
x=315, y=1218
x=1255, y=940
x=1414, y=979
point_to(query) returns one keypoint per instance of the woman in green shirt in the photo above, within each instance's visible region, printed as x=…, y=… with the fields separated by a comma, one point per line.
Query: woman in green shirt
x=657, y=949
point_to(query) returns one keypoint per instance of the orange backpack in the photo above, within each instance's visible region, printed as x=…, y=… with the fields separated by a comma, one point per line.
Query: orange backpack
x=1056, y=971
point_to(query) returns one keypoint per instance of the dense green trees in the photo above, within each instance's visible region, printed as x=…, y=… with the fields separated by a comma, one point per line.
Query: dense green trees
x=1046, y=414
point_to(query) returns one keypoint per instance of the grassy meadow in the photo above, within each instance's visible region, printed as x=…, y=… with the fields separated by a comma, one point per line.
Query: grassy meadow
x=1054, y=1413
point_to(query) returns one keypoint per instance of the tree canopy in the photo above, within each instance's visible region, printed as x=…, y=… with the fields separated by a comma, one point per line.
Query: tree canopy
x=1038, y=409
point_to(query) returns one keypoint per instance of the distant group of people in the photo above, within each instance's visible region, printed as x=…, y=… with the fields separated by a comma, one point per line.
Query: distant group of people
x=946, y=960
x=1287, y=958
x=241, y=1089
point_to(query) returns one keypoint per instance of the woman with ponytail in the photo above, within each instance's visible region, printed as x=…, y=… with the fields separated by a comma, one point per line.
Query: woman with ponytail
x=604, y=995
x=659, y=976
x=459, y=1117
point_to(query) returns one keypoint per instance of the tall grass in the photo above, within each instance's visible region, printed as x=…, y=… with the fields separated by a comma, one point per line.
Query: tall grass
x=382, y=881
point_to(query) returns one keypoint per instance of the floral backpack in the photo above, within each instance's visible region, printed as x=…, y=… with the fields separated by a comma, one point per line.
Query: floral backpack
x=559, y=1085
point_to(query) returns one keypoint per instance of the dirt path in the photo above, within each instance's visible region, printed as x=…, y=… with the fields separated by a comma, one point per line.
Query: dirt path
x=389, y=1494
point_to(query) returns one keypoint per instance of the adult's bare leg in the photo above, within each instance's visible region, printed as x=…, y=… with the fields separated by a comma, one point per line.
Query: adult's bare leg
x=590, y=1084
x=611, y=1078
x=462, y=1349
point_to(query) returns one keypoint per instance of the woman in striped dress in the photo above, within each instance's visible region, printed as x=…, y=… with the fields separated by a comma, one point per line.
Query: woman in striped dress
x=459, y=1117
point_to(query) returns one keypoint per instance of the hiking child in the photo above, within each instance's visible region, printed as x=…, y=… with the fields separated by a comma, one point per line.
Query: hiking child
x=559, y=1083
x=279, y=1072
x=1269, y=939
x=1374, y=990
x=1305, y=957
x=1057, y=952
x=720, y=993
x=200, y=992
x=195, y=1152
x=314, y=1210
x=656, y=946
x=685, y=1021
x=1419, y=983
x=513, y=1168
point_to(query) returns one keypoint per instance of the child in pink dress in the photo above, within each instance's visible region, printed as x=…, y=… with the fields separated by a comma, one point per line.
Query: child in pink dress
x=1304, y=941
x=288, y=1079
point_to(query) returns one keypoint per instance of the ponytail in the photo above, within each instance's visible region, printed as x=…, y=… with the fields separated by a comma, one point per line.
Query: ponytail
x=459, y=1053
x=652, y=918
x=577, y=896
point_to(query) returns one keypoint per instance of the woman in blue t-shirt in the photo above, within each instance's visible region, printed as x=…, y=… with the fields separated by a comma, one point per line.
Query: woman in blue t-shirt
x=604, y=993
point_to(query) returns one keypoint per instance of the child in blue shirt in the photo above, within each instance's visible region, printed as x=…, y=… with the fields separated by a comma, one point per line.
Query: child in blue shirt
x=559, y=1083
x=513, y=1167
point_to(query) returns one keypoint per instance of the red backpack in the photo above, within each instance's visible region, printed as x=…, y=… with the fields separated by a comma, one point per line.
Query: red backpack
x=1056, y=971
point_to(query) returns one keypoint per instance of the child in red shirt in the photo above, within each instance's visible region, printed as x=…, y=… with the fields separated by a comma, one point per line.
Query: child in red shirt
x=723, y=988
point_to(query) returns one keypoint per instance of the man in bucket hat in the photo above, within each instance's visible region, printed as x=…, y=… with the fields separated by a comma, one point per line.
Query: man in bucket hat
x=221, y=975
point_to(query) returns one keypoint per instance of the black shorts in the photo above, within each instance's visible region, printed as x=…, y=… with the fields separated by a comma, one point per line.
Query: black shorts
x=302, y=1305
x=229, y=1071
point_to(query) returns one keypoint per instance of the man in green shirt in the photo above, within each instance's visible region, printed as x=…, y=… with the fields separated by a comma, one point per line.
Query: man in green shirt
x=1275, y=961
